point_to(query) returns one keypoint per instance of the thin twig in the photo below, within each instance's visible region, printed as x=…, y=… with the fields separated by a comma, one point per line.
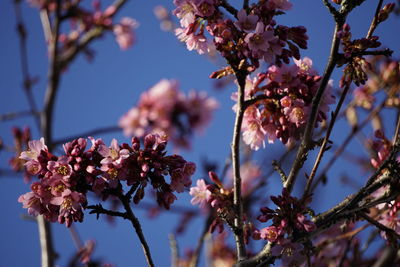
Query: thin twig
x=380, y=226
x=69, y=55
x=344, y=144
x=375, y=22
x=326, y=139
x=138, y=228
x=397, y=131
x=17, y=114
x=23, y=48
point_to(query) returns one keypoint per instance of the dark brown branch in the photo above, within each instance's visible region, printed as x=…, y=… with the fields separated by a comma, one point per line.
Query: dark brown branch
x=325, y=141
x=375, y=21
x=98, y=209
x=380, y=226
x=138, y=228
x=245, y=4
x=254, y=100
x=307, y=141
x=237, y=198
x=344, y=144
x=46, y=130
x=228, y=7
x=277, y=168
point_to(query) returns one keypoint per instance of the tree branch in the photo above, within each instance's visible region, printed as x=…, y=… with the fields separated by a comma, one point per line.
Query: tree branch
x=237, y=198
x=325, y=141
x=138, y=228
x=307, y=136
x=375, y=22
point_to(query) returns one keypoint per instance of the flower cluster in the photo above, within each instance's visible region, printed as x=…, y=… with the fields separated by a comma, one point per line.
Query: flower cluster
x=283, y=111
x=61, y=192
x=289, y=217
x=252, y=36
x=82, y=20
x=164, y=108
x=217, y=197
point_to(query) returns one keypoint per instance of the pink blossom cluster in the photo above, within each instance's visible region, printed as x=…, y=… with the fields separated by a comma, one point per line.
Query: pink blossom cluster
x=283, y=112
x=164, y=108
x=82, y=20
x=217, y=197
x=64, y=181
x=289, y=218
x=253, y=35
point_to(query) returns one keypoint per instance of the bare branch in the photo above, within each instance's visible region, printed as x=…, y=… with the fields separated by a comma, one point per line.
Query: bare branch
x=325, y=141
x=237, y=198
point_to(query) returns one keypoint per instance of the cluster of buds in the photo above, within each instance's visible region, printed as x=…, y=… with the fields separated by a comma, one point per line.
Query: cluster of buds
x=164, y=108
x=82, y=20
x=283, y=112
x=21, y=141
x=64, y=181
x=353, y=56
x=252, y=36
x=216, y=196
x=288, y=219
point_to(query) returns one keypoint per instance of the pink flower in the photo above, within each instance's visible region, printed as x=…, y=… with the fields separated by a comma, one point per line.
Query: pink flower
x=35, y=146
x=253, y=132
x=114, y=154
x=200, y=193
x=193, y=41
x=185, y=11
x=246, y=22
x=180, y=178
x=270, y=233
x=305, y=66
x=70, y=203
x=60, y=168
x=297, y=113
x=204, y=8
x=124, y=32
x=32, y=202
x=258, y=41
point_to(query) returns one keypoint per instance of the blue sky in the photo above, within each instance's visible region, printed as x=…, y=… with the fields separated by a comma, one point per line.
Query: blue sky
x=96, y=94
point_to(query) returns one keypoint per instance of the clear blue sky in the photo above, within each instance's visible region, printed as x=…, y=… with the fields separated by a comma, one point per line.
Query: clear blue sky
x=96, y=94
